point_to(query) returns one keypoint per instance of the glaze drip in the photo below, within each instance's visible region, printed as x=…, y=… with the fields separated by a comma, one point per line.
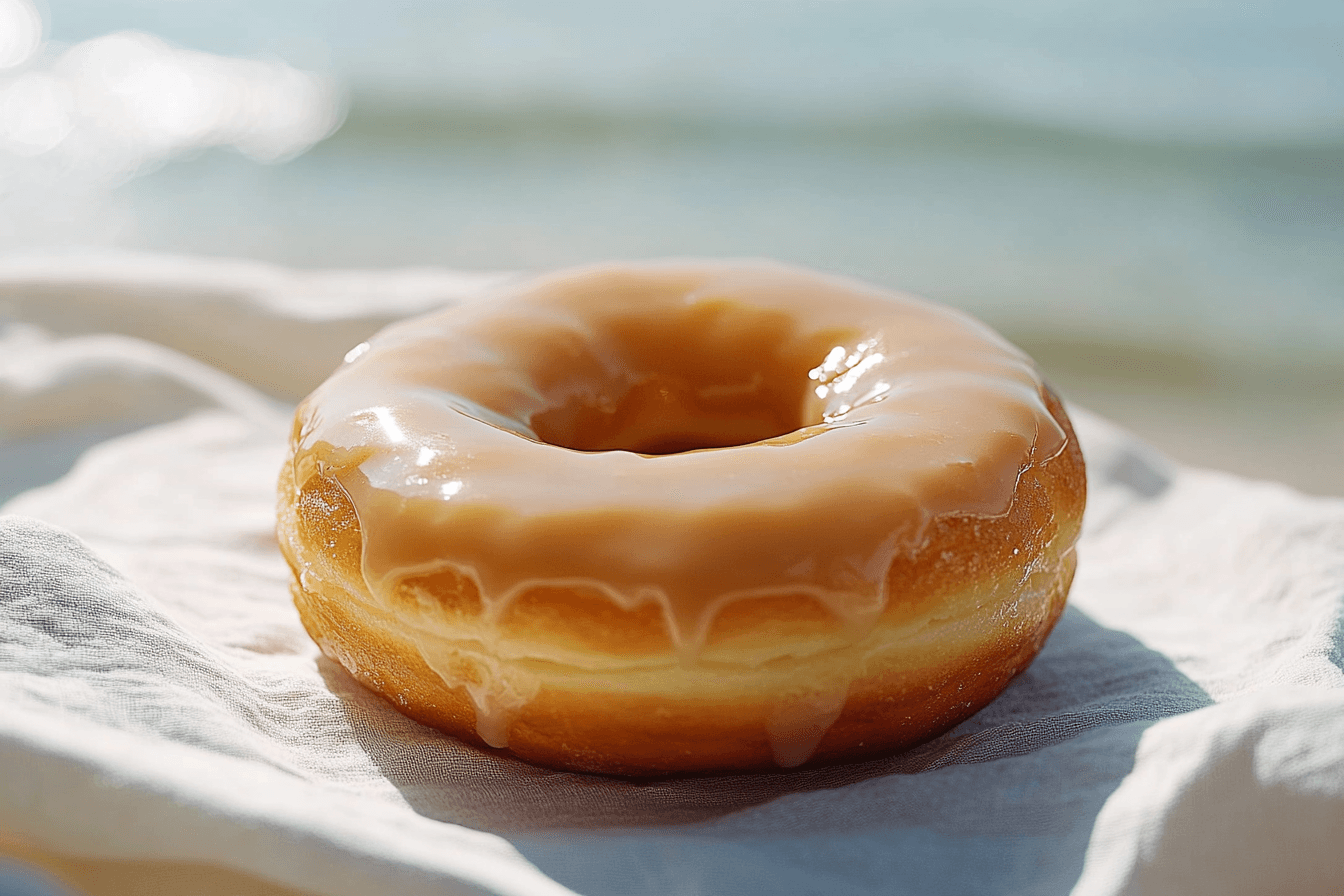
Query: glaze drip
x=799, y=723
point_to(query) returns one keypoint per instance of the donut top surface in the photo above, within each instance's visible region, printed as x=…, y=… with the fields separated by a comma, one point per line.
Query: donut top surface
x=678, y=434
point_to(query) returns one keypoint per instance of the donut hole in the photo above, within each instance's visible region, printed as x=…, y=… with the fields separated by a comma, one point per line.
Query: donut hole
x=713, y=374
x=666, y=414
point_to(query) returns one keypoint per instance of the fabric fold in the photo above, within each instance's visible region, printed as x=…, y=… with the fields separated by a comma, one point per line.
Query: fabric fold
x=163, y=712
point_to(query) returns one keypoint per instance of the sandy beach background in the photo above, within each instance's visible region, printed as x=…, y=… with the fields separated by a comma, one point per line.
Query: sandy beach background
x=1148, y=199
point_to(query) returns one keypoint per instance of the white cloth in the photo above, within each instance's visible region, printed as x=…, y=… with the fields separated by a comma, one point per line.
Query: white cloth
x=1183, y=730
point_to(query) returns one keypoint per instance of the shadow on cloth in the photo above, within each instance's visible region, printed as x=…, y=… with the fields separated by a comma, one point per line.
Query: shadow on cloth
x=1087, y=678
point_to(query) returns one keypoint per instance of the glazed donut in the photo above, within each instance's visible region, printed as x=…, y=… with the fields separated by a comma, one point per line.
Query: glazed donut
x=684, y=517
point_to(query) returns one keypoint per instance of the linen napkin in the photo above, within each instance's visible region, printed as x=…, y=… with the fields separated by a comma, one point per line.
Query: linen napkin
x=167, y=727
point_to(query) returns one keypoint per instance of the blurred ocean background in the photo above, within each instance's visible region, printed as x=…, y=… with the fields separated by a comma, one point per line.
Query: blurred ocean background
x=1147, y=196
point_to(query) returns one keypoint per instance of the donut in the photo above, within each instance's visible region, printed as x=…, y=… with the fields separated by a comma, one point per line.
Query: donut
x=684, y=517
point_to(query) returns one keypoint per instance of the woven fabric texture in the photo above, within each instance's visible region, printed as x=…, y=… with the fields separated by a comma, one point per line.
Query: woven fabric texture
x=164, y=718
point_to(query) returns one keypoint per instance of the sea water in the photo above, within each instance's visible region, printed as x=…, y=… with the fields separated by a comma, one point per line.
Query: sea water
x=1152, y=190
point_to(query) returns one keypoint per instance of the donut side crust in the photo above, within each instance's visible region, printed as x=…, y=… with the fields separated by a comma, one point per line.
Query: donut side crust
x=966, y=612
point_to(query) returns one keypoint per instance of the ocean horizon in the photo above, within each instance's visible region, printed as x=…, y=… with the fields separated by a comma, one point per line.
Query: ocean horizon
x=1150, y=199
